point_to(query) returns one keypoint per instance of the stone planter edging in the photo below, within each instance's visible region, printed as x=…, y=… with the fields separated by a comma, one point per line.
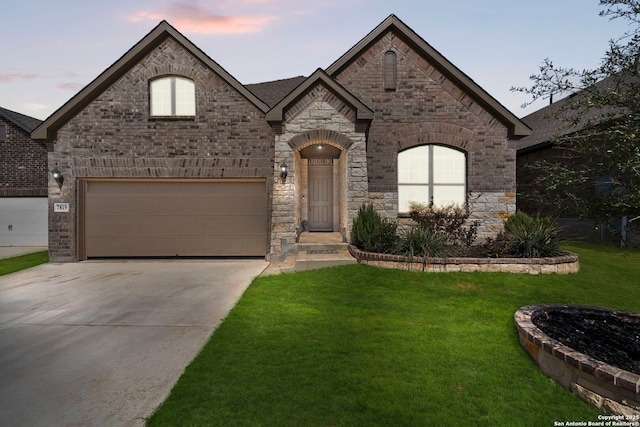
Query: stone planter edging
x=564, y=264
x=605, y=386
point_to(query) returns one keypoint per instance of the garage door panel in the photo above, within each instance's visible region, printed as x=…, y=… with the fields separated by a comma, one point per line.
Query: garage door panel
x=183, y=247
x=166, y=204
x=125, y=219
x=123, y=226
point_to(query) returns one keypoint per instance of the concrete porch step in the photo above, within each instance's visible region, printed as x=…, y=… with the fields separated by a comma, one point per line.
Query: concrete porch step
x=314, y=251
x=304, y=247
x=312, y=257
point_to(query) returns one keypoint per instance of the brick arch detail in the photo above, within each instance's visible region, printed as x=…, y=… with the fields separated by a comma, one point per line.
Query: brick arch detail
x=447, y=134
x=331, y=137
x=168, y=70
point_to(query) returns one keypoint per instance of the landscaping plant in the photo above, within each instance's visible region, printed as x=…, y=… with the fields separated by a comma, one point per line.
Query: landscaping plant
x=450, y=222
x=528, y=237
x=372, y=233
x=447, y=231
x=421, y=242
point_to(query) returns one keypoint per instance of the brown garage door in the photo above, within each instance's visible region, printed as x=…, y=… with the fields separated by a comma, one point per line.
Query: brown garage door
x=185, y=218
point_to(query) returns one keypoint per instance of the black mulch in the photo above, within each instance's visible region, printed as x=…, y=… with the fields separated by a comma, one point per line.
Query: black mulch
x=603, y=336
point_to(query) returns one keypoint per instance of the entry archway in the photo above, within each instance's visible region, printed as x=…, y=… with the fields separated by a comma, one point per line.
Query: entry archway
x=322, y=176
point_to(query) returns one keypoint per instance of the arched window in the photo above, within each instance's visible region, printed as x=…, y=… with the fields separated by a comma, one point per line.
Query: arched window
x=390, y=71
x=173, y=96
x=431, y=172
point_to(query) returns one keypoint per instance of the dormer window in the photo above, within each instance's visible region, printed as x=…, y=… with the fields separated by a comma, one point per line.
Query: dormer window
x=173, y=96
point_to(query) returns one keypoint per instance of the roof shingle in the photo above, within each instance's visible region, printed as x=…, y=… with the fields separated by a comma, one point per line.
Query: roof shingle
x=273, y=92
x=553, y=121
x=26, y=123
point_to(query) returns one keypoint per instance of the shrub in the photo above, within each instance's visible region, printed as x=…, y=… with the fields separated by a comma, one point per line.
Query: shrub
x=449, y=222
x=421, y=242
x=372, y=233
x=528, y=237
x=388, y=235
x=493, y=248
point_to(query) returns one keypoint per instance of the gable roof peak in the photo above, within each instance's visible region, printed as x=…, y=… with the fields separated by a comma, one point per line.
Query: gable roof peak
x=48, y=129
x=320, y=76
x=517, y=129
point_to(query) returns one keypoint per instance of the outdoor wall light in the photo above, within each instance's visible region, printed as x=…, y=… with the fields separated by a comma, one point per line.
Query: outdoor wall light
x=283, y=172
x=57, y=176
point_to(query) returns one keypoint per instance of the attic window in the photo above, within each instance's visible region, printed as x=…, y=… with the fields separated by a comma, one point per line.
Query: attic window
x=390, y=71
x=173, y=96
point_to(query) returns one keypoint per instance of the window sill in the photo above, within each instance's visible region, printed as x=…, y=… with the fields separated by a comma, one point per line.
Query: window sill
x=172, y=118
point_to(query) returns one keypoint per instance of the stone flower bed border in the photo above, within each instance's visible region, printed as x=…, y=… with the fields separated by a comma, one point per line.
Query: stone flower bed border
x=605, y=386
x=564, y=264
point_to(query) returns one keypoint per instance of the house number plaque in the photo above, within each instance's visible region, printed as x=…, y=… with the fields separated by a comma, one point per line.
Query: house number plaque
x=61, y=207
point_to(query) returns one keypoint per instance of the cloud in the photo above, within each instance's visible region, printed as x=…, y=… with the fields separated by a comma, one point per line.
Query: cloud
x=31, y=106
x=10, y=78
x=74, y=87
x=190, y=17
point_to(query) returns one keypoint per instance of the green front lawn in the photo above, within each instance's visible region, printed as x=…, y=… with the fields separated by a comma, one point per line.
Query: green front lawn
x=11, y=265
x=362, y=346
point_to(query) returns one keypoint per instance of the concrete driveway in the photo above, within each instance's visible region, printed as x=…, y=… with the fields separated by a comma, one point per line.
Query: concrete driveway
x=102, y=343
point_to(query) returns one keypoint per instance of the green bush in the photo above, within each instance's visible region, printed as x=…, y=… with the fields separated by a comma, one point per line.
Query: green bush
x=388, y=235
x=421, y=242
x=528, y=237
x=449, y=222
x=372, y=233
x=493, y=248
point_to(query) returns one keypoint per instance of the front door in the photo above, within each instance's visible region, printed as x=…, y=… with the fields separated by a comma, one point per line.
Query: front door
x=321, y=197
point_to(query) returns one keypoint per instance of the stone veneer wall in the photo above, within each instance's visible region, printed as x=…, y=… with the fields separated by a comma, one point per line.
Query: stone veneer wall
x=115, y=137
x=319, y=117
x=491, y=209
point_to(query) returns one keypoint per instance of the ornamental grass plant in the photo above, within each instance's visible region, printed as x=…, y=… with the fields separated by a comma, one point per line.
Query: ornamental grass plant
x=528, y=237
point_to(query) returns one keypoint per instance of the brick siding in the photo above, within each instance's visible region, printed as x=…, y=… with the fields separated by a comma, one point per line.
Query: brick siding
x=23, y=164
x=114, y=136
x=229, y=137
x=425, y=108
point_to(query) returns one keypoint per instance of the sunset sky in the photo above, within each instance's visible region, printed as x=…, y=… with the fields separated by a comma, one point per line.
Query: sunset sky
x=52, y=48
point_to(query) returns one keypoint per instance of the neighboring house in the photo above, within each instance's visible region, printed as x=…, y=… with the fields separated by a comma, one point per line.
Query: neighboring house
x=547, y=124
x=23, y=182
x=167, y=154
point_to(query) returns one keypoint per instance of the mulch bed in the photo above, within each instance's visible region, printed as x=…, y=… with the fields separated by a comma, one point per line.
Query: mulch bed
x=603, y=336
